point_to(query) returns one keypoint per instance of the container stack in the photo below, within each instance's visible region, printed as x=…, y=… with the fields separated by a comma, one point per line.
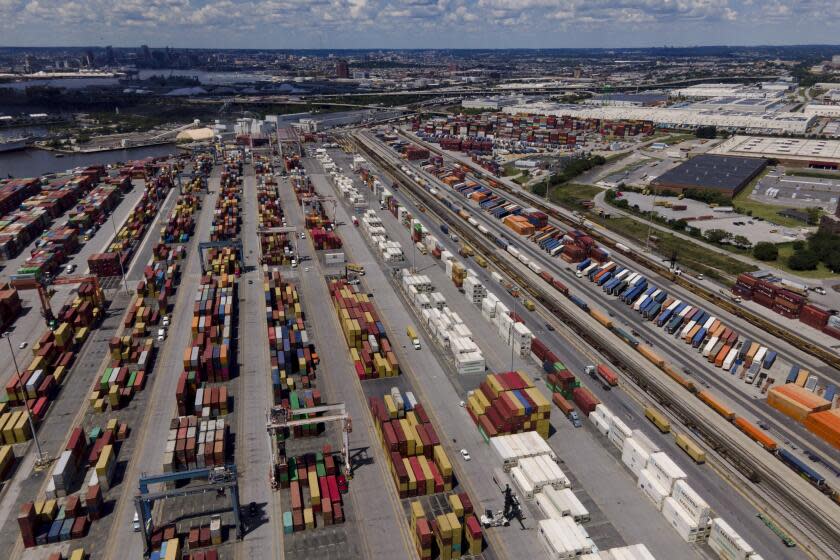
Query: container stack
x=365, y=334
x=132, y=360
x=508, y=403
x=513, y=447
x=195, y=443
x=726, y=543
x=450, y=534
x=227, y=218
x=419, y=465
x=224, y=261
x=48, y=522
x=563, y=538
x=210, y=354
x=313, y=484
x=169, y=550
x=180, y=225
x=293, y=356
x=796, y=402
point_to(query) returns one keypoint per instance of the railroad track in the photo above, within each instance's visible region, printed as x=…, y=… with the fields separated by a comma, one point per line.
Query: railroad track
x=807, y=514
x=815, y=350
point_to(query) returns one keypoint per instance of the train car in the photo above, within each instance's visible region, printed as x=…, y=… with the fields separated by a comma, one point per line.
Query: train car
x=755, y=434
x=687, y=384
x=691, y=449
x=658, y=419
x=800, y=467
x=712, y=403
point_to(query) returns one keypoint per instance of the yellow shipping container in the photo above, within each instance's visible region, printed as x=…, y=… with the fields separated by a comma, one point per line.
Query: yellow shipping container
x=417, y=511
x=442, y=462
x=427, y=474
x=456, y=505
x=23, y=432
x=49, y=510
x=59, y=373
x=314, y=489
x=173, y=549
x=78, y=554
x=495, y=386
x=482, y=399
x=412, y=480
x=103, y=464
x=528, y=381
x=390, y=406
x=9, y=427
x=542, y=403
x=308, y=518
x=456, y=527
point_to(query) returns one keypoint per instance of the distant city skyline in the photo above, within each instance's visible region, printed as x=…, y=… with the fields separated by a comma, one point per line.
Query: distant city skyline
x=336, y=24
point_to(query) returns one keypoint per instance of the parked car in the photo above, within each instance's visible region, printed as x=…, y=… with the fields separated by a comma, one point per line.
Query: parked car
x=466, y=455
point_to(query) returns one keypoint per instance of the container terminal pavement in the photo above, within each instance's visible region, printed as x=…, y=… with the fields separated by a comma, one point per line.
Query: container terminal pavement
x=120, y=432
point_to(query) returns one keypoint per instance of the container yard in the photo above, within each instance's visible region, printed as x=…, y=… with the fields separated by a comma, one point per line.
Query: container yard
x=443, y=385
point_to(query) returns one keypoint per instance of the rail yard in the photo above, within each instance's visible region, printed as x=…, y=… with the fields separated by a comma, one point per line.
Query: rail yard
x=359, y=345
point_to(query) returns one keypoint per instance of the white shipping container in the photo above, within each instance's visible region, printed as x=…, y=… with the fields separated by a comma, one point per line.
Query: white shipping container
x=618, y=432
x=726, y=543
x=652, y=489
x=522, y=482
x=688, y=529
x=634, y=456
x=665, y=470
x=695, y=506
x=730, y=357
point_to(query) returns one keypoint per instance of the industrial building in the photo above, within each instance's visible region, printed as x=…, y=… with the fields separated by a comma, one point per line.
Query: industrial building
x=724, y=174
x=628, y=99
x=491, y=103
x=798, y=152
x=678, y=117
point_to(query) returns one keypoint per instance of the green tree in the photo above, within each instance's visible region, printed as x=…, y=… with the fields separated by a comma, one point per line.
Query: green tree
x=814, y=215
x=832, y=261
x=680, y=224
x=741, y=241
x=798, y=245
x=717, y=235
x=765, y=251
x=805, y=259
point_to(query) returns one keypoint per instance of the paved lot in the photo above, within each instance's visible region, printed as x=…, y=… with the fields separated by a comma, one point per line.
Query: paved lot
x=372, y=527
x=797, y=192
x=700, y=215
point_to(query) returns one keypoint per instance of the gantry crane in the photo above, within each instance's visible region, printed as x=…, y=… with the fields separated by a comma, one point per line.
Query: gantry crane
x=218, y=480
x=33, y=282
x=279, y=418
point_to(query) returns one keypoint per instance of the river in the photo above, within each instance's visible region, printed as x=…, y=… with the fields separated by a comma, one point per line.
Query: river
x=206, y=78
x=33, y=162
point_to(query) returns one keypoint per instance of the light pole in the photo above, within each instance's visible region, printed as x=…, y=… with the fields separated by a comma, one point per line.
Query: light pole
x=511, y=327
x=40, y=458
x=119, y=256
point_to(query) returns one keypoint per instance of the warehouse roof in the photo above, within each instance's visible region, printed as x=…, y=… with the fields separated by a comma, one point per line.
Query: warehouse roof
x=713, y=172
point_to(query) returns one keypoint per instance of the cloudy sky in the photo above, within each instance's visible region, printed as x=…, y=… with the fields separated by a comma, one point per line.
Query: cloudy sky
x=417, y=23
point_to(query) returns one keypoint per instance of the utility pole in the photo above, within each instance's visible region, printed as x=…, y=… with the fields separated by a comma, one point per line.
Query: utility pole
x=119, y=256
x=40, y=459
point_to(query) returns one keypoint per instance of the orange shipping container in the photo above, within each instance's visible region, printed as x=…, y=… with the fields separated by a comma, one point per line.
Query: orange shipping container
x=757, y=435
x=652, y=356
x=721, y=356
x=787, y=406
x=715, y=405
x=826, y=425
x=805, y=397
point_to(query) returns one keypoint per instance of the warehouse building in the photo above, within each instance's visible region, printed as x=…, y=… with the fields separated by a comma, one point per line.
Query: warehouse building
x=678, y=117
x=792, y=152
x=724, y=174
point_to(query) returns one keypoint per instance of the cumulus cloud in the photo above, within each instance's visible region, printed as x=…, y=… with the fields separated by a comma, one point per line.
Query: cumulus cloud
x=514, y=19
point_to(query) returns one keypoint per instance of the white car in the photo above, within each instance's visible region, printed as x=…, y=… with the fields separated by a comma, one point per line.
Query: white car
x=23, y=345
x=135, y=524
x=70, y=268
x=161, y=335
x=465, y=454
x=165, y=322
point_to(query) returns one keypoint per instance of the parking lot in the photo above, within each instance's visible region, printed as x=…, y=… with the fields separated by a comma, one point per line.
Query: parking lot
x=797, y=192
x=700, y=215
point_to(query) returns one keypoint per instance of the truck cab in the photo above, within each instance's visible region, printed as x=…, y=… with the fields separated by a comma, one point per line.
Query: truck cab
x=575, y=418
